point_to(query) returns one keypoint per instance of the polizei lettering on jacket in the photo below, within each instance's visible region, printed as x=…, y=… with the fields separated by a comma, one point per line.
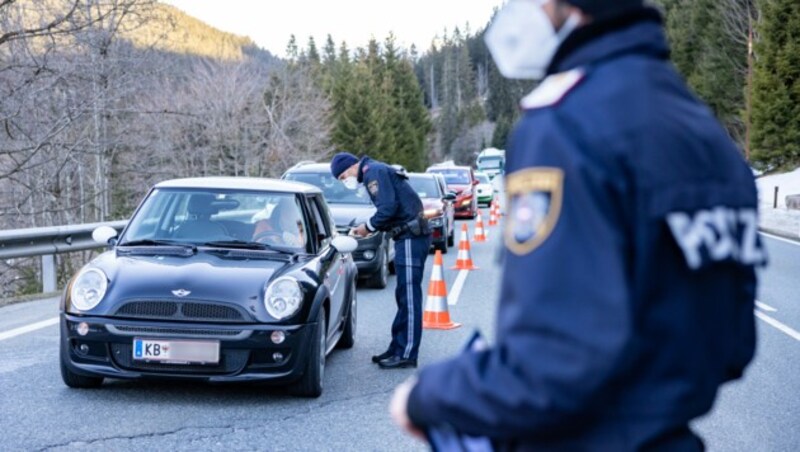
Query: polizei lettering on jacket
x=718, y=234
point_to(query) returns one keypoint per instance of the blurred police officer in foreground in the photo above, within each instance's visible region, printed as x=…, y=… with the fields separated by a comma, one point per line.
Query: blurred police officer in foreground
x=630, y=245
x=400, y=214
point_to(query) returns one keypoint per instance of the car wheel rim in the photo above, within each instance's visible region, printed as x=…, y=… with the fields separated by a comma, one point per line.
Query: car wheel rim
x=322, y=352
x=353, y=310
x=385, y=268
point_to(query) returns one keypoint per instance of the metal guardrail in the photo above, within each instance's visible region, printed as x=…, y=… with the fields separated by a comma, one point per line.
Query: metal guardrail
x=47, y=242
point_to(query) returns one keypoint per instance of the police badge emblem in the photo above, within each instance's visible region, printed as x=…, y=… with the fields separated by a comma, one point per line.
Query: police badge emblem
x=534, y=198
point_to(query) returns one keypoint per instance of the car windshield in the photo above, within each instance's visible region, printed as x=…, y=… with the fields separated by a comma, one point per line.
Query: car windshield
x=482, y=178
x=334, y=191
x=490, y=162
x=426, y=187
x=453, y=175
x=214, y=217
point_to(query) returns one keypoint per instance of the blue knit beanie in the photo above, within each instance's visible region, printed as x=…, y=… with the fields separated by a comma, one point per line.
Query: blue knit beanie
x=601, y=9
x=341, y=162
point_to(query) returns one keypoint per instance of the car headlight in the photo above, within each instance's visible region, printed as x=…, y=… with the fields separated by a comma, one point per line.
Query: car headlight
x=466, y=202
x=88, y=289
x=437, y=222
x=430, y=213
x=283, y=298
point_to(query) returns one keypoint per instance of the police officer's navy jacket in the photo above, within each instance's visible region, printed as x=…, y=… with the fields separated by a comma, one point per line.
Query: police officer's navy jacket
x=396, y=202
x=628, y=278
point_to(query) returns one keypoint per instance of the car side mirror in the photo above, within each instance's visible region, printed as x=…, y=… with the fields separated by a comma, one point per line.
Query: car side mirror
x=344, y=244
x=104, y=235
x=450, y=197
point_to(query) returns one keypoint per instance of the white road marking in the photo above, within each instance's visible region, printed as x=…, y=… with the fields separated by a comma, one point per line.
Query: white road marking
x=452, y=298
x=28, y=328
x=780, y=239
x=778, y=325
x=765, y=307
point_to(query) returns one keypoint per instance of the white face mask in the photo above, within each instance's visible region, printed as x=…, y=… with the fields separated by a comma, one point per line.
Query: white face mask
x=351, y=182
x=522, y=39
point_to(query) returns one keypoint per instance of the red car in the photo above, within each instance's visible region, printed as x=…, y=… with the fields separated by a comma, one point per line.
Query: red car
x=460, y=180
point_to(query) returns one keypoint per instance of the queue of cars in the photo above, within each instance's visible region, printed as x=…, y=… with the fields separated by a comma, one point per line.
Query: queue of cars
x=238, y=279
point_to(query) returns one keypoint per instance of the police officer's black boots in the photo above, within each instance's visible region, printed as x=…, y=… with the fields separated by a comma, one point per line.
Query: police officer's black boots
x=396, y=362
x=385, y=355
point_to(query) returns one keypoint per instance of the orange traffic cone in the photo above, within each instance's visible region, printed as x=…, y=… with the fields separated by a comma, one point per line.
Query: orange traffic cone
x=436, y=315
x=464, y=261
x=481, y=234
x=493, y=213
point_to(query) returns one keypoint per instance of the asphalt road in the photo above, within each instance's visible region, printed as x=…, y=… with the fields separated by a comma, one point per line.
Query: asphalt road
x=37, y=412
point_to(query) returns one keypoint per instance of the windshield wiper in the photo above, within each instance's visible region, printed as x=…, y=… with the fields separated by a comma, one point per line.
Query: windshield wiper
x=151, y=242
x=243, y=245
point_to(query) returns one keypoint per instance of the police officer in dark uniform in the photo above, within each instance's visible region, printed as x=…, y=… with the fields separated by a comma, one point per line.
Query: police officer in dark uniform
x=399, y=212
x=631, y=243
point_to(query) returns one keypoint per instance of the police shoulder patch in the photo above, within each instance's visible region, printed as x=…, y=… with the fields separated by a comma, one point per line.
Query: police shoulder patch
x=552, y=89
x=373, y=187
x=534, y=199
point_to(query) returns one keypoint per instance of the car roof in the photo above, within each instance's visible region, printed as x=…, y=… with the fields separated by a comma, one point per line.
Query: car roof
x=434, y=168
x=241, y=183
x=311, y=168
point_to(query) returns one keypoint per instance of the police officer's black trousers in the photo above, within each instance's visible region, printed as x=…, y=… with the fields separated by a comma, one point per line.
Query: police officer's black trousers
x=409, y=261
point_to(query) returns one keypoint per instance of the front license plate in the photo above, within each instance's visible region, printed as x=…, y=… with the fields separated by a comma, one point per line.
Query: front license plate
x=176, y=351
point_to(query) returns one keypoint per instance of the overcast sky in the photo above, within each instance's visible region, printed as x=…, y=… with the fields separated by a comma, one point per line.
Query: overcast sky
x=270, y=22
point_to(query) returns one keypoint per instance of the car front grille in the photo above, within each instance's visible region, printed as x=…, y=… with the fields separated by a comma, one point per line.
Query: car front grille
x=180, y=310
x=230, y=361
x=177, y=332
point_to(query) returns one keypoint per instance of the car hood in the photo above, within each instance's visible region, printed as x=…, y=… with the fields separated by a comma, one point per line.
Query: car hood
x=458, y=188
x=207, y=276
x=351, y=214
x=432, y=203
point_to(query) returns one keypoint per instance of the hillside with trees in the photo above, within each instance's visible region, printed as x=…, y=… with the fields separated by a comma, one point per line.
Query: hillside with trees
x=100, y=99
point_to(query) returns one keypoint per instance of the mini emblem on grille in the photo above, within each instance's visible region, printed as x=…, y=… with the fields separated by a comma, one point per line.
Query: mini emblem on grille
x=180, y=293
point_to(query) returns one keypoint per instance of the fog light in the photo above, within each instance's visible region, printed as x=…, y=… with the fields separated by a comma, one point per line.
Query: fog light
x=277, y=357
x=84, y=349
x=369, y=255
x=83, y=329
x=278, y=337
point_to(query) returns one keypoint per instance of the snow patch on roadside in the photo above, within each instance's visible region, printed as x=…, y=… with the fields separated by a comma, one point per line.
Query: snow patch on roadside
x=780, y=219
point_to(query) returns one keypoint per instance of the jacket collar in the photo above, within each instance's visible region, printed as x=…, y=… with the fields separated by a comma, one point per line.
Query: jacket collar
x=638, y=31
x=362, y=168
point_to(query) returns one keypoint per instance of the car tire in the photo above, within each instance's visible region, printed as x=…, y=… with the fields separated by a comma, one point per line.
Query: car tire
x=348, y=338
x=381, y=277
x=310, y=384
x=442, y=247
x=76, y=381
x=451, y=239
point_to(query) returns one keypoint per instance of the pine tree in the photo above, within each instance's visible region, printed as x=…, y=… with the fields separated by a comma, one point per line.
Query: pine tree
x=776, y=85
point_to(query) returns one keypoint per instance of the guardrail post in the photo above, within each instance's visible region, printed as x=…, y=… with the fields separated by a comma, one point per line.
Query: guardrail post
x=775, y=203
x=49, y=273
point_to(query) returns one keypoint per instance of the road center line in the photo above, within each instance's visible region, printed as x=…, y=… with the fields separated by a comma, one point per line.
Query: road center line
x=780, y=239
x=765, y=307
x=778, y=325
x=452, y=299
x=28, y=328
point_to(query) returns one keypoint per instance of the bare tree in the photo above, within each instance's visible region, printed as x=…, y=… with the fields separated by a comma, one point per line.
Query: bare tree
x=739, y=19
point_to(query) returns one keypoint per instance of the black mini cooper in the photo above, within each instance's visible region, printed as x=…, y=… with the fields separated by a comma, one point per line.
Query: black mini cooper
x=220, y=279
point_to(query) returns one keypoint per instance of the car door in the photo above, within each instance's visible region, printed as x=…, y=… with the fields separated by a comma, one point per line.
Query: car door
x=333, y=263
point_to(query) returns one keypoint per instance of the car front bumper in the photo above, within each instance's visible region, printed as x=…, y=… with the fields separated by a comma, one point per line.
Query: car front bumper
x=462, y=211
x=246, y=350
x=367, y=256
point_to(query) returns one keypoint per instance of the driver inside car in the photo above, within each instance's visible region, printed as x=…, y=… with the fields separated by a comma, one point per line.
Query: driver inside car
x=283, y=227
